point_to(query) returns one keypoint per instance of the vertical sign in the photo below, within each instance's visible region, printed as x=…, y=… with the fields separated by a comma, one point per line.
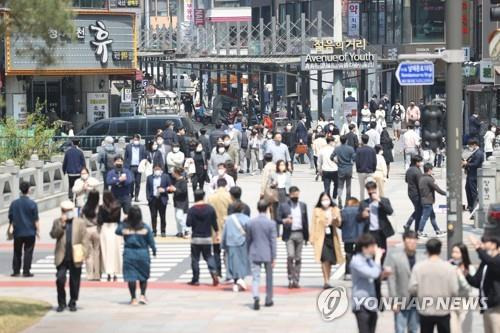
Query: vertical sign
x=188, y=10
x=97, y=106
x=199, y=17
x=19, y=107
x=353, y=18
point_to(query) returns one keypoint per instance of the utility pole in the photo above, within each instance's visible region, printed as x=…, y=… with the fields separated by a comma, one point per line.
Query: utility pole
x=338, y=88
x=454, y=123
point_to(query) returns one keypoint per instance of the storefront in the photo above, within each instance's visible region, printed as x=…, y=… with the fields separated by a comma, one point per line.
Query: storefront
x=76, y=87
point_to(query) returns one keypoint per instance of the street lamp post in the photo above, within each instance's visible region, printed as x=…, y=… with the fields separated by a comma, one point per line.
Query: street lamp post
x=454, y=124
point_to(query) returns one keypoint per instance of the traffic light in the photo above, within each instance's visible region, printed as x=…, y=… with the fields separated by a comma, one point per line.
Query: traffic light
x=495, y=11
x=432, y=127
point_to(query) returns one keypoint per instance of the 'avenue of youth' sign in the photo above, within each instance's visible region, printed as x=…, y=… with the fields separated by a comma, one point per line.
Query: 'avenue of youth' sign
x=347, y=56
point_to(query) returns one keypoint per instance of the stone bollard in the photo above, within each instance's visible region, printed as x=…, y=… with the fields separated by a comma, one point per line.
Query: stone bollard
x=11, y=168
x=35, y=163
x=487, y=185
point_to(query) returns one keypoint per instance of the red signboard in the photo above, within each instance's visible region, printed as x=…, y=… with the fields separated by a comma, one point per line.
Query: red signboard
x=199, y=17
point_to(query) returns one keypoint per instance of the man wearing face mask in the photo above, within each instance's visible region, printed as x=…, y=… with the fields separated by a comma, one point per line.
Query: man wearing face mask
x=221, y=173
x=474, y=126
x=175, y=158
x=135, y=152
x=279, y=150
x=120, y=179
x=73, y=163
x=72, y=244
x=232, y=148
x=219, y=156
x=474, y=162
x=157, y=187
x=301, y=137
x=289, y=139
x=365, y=118
x=293, y=216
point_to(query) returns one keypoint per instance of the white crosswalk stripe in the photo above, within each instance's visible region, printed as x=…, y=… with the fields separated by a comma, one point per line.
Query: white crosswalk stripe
x=310, y=268
x=167, y=257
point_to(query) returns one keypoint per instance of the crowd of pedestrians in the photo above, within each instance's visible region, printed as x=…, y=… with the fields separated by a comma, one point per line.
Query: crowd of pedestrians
x=105, y=230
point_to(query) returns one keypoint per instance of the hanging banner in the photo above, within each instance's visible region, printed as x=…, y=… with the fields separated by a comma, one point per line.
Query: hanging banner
x=353, y=19
x=97, y=106
x=188, y=10
x=199, y=17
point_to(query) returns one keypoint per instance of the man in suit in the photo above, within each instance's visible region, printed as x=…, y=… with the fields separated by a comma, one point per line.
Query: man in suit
x=73, y=163
x=301, y=136
x=68, y=231
x=261, y=238
x=120, y=179
x=400, y=262
x=157, y=187
x=134, y=154
x=293, y=216
x=366, y=163
x=373, y=213
x=412, y=178
x=474, y=162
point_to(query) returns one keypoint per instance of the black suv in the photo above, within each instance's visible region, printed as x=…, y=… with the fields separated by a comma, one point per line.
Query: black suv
x=92, y=136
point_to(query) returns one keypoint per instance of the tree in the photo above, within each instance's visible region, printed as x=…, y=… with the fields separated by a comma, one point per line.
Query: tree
x=33, y=19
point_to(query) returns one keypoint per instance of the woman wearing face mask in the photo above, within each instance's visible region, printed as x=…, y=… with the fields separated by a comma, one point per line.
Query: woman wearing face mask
x=220, y=156
x=175, y=159
x=82, y=187
x=255, y=151
x=323, y=236
x=108, y=218
x=489, y=140
x=380, y=173
x=89, y=215
x=281, y=180
x=155, y=157
x=200, y=163
x=461, y=319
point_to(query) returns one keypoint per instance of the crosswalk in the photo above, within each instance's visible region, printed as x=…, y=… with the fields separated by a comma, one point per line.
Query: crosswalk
x=173, y=255
x=309, y=267
x=168, y=256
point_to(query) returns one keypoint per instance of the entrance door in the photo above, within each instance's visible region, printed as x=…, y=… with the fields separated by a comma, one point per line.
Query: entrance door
x=48, y=94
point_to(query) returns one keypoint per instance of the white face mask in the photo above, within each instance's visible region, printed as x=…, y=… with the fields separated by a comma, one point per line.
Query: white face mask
x=158, y=173
x=175, y=149
x=227, y=143
x=155, y=147
x=199, y=149
x=221, y=150
x=289, y=127
x=136, y=142
x=493, y=129
x=325, y=203
x=70, y=215
x=85, y=176
x=221, y=172
x=159, y=142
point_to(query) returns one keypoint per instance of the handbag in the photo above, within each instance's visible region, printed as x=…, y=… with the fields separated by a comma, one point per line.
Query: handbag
x=271, y=195
x=189, y=166
x=78, y=253
x=10, y=232
x=301, y=149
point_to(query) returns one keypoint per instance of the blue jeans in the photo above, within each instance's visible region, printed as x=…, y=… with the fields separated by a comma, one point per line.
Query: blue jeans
x=406, y=319
x=428, y=211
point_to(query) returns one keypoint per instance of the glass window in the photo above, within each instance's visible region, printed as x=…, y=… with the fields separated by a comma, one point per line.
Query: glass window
x=119, y=128
x=100, y=128
x=89, y=3
x=428, y=20
x=135, y=127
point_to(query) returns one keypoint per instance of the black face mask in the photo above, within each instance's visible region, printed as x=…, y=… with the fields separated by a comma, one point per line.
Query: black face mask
x=294, y=199
x=119, y=166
